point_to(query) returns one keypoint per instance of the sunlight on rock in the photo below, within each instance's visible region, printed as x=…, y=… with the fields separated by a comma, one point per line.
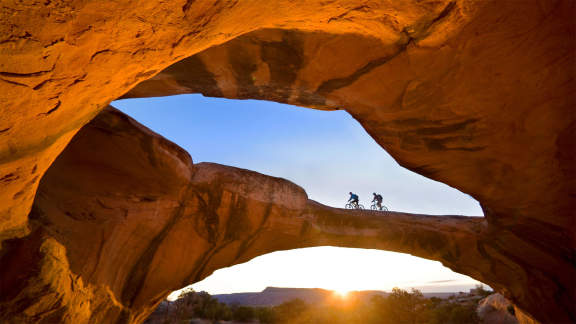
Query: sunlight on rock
x=101, y=217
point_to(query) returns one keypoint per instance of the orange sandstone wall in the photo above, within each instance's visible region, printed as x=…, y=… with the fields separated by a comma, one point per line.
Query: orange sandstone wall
x=476, y=94
x=63, y=62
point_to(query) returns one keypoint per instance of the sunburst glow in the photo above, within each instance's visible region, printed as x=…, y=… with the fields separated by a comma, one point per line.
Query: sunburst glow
x=342, y=293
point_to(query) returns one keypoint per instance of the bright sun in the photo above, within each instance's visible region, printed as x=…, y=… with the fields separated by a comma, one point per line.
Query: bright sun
x=342, y=293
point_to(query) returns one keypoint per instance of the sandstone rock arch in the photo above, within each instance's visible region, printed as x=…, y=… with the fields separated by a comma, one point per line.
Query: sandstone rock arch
x=127, y=231
x=478, y=95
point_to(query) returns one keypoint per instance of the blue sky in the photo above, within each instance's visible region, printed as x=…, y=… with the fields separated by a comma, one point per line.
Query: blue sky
x=326, y=153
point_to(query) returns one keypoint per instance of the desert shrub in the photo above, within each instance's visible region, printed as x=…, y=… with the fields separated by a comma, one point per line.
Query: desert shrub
x=479, y=290
x=400, y=307
x=454, y=313
x=243, y=313
x=292, y=311
x=265, y=315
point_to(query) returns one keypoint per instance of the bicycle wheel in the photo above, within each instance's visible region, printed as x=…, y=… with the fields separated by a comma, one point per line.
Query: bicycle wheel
x=360, y=207
x=349, y=206
x=384, y=208
x=373, y=207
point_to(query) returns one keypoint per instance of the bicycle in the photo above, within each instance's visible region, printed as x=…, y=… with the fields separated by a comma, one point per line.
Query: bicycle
x=353, y=206
x=375, y=207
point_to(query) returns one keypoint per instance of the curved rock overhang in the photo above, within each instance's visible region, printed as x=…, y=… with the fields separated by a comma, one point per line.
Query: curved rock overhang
x=123, y=217
x=476, y=94
x=62, y=63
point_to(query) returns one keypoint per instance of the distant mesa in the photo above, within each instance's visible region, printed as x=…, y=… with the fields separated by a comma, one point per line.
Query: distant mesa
x=273, y=296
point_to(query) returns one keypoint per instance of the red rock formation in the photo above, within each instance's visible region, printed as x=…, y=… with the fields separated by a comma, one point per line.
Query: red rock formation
x=478, y=114
x=476, y=94
x=494, y=119
x=113, y=237
x=495, y=309
x=63, y=62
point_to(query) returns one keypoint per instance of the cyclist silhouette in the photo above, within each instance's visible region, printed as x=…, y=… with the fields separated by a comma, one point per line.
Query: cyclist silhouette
x=378, y=200
x=353, y=199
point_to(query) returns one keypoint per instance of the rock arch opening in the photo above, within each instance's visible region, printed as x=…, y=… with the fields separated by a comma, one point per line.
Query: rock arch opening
x=150, y=221
x=337, y=269
x=327, y=153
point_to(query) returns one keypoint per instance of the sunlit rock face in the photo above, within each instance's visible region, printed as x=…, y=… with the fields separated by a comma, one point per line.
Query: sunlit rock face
x=62, y=62
x=496, y=309
x=476, y=94
x=123, y=217
x=490, y=111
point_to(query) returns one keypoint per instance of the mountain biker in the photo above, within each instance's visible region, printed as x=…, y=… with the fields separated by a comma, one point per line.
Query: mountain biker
x=353, y=198
x=378, y=200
